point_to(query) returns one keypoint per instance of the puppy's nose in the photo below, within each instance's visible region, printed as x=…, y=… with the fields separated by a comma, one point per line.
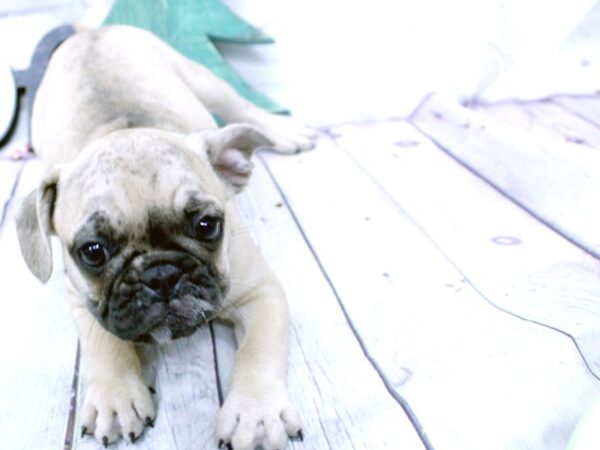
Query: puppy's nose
x=162, y=278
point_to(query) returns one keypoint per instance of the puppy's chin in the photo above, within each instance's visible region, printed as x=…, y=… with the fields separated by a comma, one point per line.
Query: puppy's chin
x=161, y=297
x=161, y=335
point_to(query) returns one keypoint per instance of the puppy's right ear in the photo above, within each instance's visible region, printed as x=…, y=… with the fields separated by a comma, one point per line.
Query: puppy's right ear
x=34, y=225
x=229, y=150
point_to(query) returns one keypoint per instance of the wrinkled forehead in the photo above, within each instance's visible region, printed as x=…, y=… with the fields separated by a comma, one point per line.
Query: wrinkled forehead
x=131, y=180
x=139, y=161
x=152, y=225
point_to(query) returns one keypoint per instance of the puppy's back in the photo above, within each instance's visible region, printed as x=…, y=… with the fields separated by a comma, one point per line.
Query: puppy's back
x=107, y=79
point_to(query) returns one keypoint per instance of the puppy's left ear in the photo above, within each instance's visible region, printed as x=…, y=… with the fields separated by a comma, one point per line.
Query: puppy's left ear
x=229, y=150
x=34, y=225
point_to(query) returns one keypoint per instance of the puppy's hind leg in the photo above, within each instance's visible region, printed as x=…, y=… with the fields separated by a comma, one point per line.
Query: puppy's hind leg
x=117, y=401
x=289, y=135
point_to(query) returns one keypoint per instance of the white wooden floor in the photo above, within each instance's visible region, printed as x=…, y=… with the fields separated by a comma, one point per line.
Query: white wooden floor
x=444, y=283
x=442, y=269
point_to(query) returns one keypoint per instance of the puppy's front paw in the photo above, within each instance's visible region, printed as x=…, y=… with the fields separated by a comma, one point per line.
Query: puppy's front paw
x=117, y=407
x=288, y=135
x=253, y=418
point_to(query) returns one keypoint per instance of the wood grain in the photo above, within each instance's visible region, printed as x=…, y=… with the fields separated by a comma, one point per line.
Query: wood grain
x=586, y=107
x=554, y=180
x=545, y=118
x=462, y=364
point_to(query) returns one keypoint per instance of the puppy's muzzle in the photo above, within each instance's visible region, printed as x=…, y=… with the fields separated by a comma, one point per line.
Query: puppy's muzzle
x=162, y=296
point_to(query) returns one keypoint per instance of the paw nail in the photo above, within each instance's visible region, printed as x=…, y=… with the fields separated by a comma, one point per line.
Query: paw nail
x=105, y=441
x=229, y=447
x=300, y=436
x=152, y=390
x=83, y=431
x=149, y=422
x=244, y=167
x=132, y=438
x=220, y=444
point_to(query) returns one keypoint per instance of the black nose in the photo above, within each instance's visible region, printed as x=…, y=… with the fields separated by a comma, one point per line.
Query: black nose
x=162, y=278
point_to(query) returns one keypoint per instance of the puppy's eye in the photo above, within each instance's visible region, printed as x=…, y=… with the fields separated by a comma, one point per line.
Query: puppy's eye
x=94, y=255
x=208, y=228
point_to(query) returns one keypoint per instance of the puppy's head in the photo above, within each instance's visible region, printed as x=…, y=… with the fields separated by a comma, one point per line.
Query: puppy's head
x=143, y=219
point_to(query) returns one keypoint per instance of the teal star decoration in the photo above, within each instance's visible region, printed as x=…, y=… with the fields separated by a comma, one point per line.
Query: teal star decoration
x=191, y=26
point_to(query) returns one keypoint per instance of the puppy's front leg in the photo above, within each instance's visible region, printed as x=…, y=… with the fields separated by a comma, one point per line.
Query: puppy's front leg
x=257, y=393
x=117, y=401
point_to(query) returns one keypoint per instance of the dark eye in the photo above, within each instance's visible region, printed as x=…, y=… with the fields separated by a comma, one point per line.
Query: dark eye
x=208, y=228
x=94, y=255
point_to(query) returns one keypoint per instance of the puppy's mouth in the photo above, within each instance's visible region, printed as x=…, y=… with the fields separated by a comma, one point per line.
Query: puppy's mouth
x=162, y=296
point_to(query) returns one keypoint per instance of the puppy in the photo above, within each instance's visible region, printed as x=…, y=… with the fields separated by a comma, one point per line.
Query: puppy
x=139, y=190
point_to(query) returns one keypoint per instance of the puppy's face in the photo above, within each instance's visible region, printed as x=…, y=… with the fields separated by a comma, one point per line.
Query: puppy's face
x=143, y=221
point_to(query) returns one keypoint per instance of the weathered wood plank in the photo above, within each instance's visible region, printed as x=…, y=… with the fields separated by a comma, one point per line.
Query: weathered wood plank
x=341, y=398
x=184, y=377
x=557, y=181
x=471, y=373
x=516, y=263
x=37, y=344
x=587, y=107
x=525, y=267
x=543, y=117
